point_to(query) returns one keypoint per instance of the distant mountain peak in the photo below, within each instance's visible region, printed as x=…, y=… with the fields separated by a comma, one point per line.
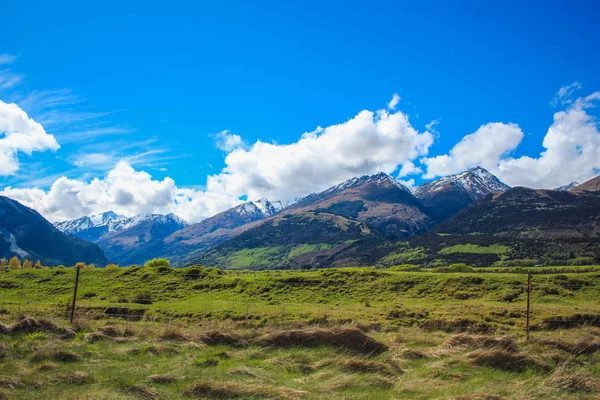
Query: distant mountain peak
x=476, y=182
x=380, y=179
x=568, y=186
x=97, y=226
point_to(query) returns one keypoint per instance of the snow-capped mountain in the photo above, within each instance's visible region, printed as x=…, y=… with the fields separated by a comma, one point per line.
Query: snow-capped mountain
x=98, y=226
x=450, y=194
x=381, y=179
x=568, y=186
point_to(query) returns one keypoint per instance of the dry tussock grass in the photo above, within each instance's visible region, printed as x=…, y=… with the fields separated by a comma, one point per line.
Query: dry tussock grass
x=359, y=365
x=293, y=363
x=213, y=338
x=141, y=391
x=350, y=339
x=72, y=378
x=55, y=355
x=504, y=359
x=173, y=333
x=9, y=382
x=478, y=396
x=572, y=379
x=162, y=378
x=482, y=342
x=237, y=390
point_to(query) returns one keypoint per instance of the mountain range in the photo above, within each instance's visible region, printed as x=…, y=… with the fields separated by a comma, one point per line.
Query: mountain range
x=360, y=221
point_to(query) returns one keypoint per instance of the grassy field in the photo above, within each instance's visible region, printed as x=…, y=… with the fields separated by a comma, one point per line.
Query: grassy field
x=337, y=333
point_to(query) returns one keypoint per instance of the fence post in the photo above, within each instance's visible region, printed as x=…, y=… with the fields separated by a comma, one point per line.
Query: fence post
x=75, y=294
x=528, y=304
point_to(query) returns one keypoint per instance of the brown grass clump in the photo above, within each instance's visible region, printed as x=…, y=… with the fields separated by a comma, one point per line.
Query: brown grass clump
x=243, y=371
x=236, y=390
x=152, y=349
x=110, y=331
x=504, y=359
x=172, y=333
x=4, y=329
x=571, y=379
x=457, y=325
x=8, y=382
x=350, y=339
x=140, y=391
x=59, y=356
x=412, y=354
x=293, y=363
x=29, y=325
x=73, y=378
x=478, y=396
x=354, y=365
x=482, y=342
x=162, y=378
x=47, y=366
x=214, y=338
x=585, y=345
x=94, y=337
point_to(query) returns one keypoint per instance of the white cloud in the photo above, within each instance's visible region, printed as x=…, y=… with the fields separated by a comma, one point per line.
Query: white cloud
x=227, y=141
x=368, y=143
x=7, y=58
x=572, y=151
x=565, y=94
x=20, y=134
x=431, y=125
x=484, y=147
x=409, y=168
x=394, y=101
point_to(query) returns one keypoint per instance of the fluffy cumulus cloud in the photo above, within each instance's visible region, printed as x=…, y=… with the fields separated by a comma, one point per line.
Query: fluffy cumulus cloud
x=20, y=134
x=227, y=141
x=571, y=150
x=484, y=147
x=368, y=143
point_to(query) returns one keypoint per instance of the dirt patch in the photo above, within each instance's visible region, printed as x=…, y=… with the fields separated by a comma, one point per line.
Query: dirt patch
x=483, y=342
x=350, y=339
x=214, y=338
x=504, y=360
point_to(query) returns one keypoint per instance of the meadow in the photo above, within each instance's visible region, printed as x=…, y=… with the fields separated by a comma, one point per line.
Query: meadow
x=355, y=333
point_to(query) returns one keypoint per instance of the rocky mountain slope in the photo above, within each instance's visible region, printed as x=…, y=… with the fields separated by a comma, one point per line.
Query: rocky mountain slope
x=150, y=239
x=26, y=234
x=320, y=228
x=568, y=187
x=97, y=226
x=448, y=195
x=593, y=185
x=528, y=213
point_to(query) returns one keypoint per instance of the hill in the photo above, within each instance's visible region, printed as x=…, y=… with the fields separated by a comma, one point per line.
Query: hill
x=593, y=185
x=26, y=234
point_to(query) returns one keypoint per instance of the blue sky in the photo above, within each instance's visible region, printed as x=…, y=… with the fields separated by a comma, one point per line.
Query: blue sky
x=153, y=83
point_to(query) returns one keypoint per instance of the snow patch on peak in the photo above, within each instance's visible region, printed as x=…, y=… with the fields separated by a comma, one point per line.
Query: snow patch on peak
x=568, y=187
x=476, y=183
x=380, y=179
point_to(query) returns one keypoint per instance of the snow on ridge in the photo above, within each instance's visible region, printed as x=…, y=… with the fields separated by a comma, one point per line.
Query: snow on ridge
x=568, y=187
x=380, y=179
x=476, y=182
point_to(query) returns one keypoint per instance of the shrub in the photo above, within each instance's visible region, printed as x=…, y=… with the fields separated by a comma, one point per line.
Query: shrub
x=581, y=261
x=80, y=265
x=158, y=262
x=112, y=266
x=143, y=298
x=406, y=268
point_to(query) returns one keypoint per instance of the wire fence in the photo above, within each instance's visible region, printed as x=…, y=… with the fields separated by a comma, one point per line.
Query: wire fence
x=186, y=299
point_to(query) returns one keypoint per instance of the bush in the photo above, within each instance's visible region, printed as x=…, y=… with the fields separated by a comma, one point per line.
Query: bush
x=112, y=266
x=158, y=262
x=405, y=268
x=143, y=298
x=581, y=261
